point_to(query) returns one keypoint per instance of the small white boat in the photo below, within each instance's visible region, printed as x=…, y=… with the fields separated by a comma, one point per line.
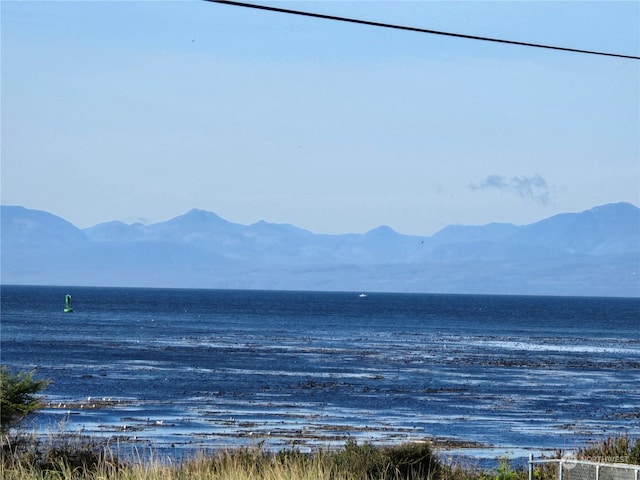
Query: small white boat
x=362, y=295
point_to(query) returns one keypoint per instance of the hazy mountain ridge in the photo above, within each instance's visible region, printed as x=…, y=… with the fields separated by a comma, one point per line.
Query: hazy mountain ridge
x=596, y=252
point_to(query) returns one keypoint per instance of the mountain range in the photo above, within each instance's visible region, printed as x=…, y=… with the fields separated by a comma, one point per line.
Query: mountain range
x=592, y=253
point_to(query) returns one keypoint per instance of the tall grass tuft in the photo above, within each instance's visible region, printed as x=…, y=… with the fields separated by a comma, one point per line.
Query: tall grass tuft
x=622, y=449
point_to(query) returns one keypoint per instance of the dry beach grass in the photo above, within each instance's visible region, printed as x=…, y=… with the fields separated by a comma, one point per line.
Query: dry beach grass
x=75, y=457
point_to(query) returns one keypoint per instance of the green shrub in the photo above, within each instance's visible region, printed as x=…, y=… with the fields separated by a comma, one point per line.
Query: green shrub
x=410, y=461
x=17, y=396
x=359, y=461
x=504, y=470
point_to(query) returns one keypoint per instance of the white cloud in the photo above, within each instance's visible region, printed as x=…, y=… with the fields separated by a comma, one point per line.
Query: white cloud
x=534, y=187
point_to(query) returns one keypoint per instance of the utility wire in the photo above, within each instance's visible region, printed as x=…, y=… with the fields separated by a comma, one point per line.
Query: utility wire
x=415, y=29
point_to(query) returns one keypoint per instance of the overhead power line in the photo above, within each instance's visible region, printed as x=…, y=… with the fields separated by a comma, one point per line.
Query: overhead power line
x=419, y=30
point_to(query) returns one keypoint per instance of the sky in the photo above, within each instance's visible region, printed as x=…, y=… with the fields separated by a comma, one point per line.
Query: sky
x=141, y=111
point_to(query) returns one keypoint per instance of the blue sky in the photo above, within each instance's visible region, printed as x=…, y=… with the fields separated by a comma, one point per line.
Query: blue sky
x=140, y=111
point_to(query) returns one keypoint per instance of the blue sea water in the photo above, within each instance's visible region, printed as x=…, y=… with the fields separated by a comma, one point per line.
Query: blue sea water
x=198, y=369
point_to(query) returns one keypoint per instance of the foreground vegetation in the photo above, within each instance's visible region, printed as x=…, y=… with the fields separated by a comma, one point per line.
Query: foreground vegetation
x=70, y=458
x=64, y=457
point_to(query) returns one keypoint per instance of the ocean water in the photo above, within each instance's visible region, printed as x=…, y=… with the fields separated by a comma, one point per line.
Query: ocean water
x=184, y=370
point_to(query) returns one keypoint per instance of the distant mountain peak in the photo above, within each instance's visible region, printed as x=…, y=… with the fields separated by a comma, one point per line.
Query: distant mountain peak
x=22, y=225
x=616, y=206
x=382, y=230
x=200, y=214
x=616, y=209
x=197, y=217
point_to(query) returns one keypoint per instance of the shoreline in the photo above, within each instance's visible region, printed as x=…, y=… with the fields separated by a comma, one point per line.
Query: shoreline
x=162, y=435
x=81, y=457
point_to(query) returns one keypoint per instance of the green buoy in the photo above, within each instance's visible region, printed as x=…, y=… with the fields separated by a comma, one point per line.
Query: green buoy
x=67, y=304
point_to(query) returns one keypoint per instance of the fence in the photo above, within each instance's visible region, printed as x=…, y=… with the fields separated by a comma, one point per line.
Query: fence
x=572, y=469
